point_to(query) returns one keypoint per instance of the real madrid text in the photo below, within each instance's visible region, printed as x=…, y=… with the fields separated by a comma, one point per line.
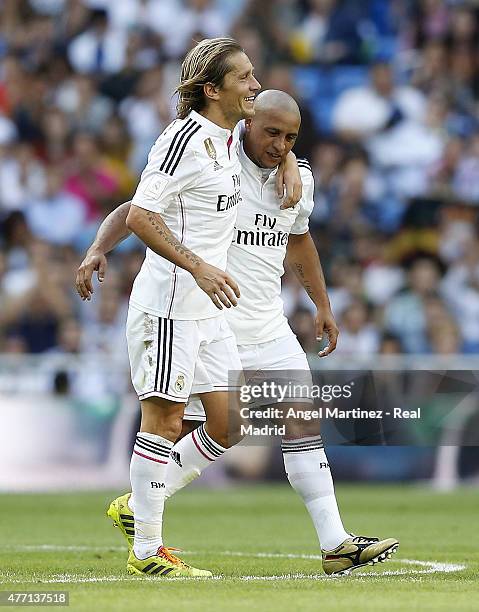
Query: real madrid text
x=271, y=413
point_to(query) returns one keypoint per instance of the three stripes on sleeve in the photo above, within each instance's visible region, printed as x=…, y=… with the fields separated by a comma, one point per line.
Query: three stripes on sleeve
x=178, y=145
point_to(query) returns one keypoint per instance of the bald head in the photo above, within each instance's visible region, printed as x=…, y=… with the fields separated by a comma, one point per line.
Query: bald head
x=272, y=131
x=276, y=100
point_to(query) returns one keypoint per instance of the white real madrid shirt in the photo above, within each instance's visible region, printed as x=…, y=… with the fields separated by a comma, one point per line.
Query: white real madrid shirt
x=192, y=180
x=256, y=256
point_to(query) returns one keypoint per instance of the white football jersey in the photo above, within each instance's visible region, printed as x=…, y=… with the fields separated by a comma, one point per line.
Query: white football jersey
x=192, y=180
x=256, y=256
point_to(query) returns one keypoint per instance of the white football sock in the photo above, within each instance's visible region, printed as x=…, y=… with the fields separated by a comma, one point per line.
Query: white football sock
x=189, y=457
x=147, y=474
x=308, y=472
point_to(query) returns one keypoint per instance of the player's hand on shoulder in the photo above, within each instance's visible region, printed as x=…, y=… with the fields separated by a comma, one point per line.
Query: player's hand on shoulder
x=94, y=261
x=289, y=184
x=219, y=285
x=326, y=324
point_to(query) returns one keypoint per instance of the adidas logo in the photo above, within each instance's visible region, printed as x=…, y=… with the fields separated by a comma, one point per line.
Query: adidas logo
x=217, y=166
x=176, y=458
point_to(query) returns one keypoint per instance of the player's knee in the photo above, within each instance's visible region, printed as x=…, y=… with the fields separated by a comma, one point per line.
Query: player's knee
x=297, y=425
x=172, y=428
x=226, y=435
x=169, y=429
x=162, y=418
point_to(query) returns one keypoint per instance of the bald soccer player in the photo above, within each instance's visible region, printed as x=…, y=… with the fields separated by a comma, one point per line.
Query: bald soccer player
x=264, y=238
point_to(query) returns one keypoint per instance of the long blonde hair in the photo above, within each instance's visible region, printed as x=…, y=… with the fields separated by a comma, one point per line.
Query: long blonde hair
x=207, y=62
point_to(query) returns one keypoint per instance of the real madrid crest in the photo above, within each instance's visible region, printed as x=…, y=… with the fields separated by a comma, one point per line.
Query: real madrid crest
x=180, y=383
x=148, y=325
x=210, y=148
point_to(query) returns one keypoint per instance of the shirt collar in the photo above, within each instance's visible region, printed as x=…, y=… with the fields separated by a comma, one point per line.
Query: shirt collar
x=249, y=165
x=212, y=128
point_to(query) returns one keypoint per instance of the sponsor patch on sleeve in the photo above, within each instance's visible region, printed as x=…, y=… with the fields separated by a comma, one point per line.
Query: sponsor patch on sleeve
x=156, y=186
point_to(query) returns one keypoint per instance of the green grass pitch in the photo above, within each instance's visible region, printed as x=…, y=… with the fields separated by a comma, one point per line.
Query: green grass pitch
x=65, y=542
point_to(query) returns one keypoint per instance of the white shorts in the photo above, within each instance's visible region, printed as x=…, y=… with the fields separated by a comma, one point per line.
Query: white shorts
x=174, y=359
x=282, y=354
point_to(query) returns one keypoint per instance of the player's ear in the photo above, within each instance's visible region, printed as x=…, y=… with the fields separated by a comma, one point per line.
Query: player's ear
x=247, y=124
x=211, y=91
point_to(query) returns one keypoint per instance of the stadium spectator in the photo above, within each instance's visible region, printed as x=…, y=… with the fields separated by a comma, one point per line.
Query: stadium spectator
x=68, y=338
x=445, y=341
x=250, y=39
x=146, y=114
x=463, y=26
x=106, y=334
x=116, y=149
x=42, y=307
x=389, y=344
x=405, y=314
x=138, y=55
x=431, y=73
x=22, y=177
x=379, y=106
x=193, y=19
x=136, y=13
x=345, y=283
x=461, y=290
x=442, y=172
x=85, y=108
x=58, y=217
x=382, y=278
x=330, y=33
x=272, y=20
x=89, y=179
x=353, y=209
x=55, y=148
x=326, y=159
x=359, y=335
x=99, y=49
x=465, y=179
x=430, y=19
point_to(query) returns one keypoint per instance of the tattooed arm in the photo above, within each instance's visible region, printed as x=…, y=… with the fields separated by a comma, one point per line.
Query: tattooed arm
x=303, y=258
x=153, y=231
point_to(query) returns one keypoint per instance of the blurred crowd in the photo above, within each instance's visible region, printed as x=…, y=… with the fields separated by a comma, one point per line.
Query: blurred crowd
x=389, y=98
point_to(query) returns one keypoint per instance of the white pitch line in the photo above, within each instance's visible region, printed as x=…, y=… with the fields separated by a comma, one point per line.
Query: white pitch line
x=435, y=566
x=430, y=567
x=78, y=578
